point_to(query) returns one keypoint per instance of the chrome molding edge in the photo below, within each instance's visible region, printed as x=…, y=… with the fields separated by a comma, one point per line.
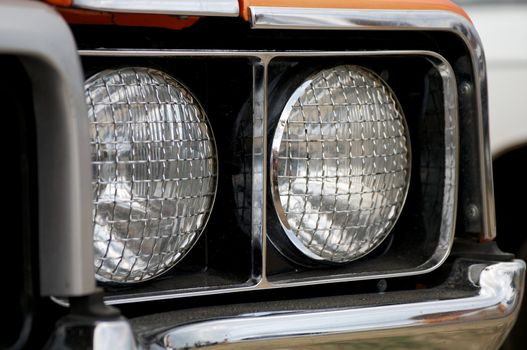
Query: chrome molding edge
x=480, y=321
x=261, y=60
x=73, y=332
x=430, y=20
x=449, y=207
x=226, y=8
x=113, y=335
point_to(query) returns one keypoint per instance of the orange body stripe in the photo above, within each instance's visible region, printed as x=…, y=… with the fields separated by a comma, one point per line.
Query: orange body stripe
x=74, y=16
x=445, y=5
x=65, y=3
x=77, y=16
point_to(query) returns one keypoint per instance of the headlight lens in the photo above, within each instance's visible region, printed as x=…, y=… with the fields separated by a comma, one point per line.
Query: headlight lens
x=340, y=164
x=154, y=172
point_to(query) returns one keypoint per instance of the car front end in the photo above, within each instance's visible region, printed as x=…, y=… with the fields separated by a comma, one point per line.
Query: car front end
x=252, y=174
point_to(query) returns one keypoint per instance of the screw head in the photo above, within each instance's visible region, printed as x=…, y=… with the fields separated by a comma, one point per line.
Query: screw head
x=472, y=211
x=382, y=285
x=465, y=88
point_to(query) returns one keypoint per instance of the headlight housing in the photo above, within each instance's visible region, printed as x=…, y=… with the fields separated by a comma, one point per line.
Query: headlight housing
x=154, y=172
x=340, y=164
x=244, y=99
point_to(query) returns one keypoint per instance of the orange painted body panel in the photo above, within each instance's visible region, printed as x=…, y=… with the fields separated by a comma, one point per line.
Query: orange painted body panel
x=75, y=16
x=64, y=3
x=445, y=5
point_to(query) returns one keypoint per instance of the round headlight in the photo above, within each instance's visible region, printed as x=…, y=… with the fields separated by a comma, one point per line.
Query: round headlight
x=340, y=164
x=154, y=172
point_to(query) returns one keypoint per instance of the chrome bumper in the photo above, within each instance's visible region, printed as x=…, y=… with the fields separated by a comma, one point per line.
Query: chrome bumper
x=474, y=309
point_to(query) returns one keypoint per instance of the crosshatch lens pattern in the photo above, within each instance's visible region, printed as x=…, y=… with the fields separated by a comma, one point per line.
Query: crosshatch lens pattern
x=154, y=172
x=342, y=168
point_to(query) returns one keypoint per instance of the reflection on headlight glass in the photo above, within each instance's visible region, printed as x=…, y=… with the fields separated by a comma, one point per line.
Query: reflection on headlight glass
x=340, y=164
x=154, y=172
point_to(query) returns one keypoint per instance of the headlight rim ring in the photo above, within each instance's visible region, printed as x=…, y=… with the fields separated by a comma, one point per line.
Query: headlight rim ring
x=285, y=241
x=163, y=267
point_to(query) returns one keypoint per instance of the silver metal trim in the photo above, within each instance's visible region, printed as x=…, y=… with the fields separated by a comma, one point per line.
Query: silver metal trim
x=259, y=175
x=62, y=146
x=260, y=101
x=451, y=158
x=481, y=320
x=76, y=331
x=113, y=335
x=223, y=8
x=403, y=20
x=275, y=150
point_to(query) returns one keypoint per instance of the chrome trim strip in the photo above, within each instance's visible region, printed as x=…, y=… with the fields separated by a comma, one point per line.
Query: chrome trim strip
x=480, y=321
x=81, y=331
x=225, y=8
x=432, y=20
x=261, y=61
x=354, y=19
x=113, y=335
x=450, y=203
x=259, y=192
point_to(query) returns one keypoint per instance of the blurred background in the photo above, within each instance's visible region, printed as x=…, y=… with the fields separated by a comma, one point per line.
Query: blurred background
x=502, y=25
